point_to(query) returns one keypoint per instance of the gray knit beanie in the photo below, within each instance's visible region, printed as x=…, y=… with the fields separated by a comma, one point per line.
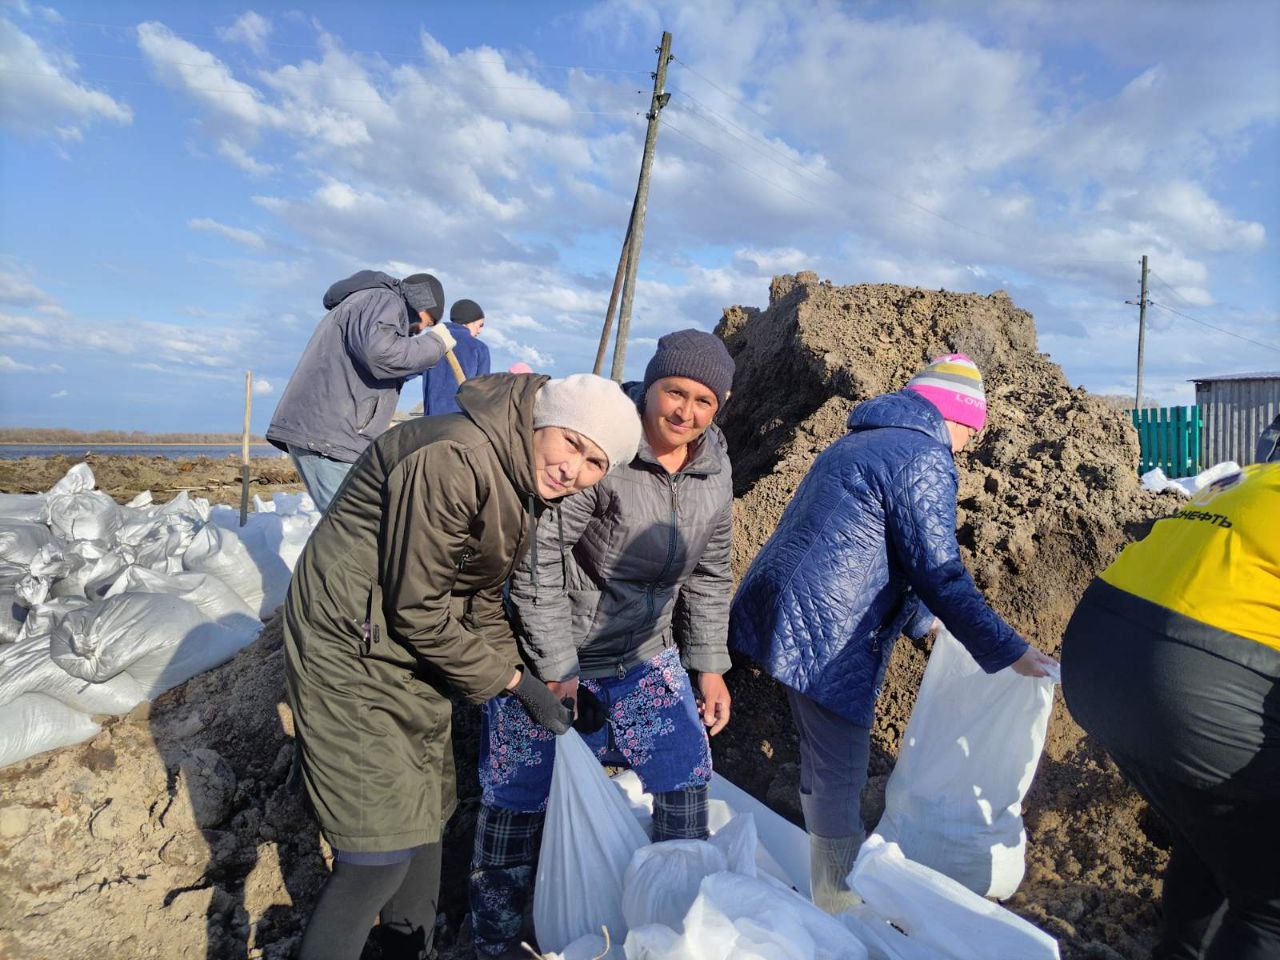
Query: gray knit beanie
x=594, y=407
x=694, y=354
x=422, y=291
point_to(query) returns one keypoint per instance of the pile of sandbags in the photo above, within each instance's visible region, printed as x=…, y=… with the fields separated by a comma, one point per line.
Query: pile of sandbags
x=731, y=896
x=103, y=606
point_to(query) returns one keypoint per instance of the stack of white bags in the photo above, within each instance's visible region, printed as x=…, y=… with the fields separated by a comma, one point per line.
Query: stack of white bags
x=104, y=606
x=950, y=837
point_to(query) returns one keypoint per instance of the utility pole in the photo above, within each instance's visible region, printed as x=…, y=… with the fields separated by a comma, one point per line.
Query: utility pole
x=613, y=295
x=635, y=233
x=1142, y=331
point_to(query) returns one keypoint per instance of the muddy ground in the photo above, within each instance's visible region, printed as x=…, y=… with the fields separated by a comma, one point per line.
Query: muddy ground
x=174, y=834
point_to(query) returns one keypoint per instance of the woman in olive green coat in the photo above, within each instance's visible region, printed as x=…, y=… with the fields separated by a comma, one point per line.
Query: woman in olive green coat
x=396, y=603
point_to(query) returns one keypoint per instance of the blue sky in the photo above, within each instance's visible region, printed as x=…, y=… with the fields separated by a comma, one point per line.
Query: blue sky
x=179, y=183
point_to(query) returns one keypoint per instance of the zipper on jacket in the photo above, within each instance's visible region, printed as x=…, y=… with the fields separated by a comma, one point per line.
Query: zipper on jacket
x=467, y=556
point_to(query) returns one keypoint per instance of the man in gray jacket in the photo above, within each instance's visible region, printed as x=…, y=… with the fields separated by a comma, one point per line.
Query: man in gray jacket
x=625, y=591
x=344, y=390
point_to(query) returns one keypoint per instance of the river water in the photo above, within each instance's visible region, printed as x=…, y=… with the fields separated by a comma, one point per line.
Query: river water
x=177, y=451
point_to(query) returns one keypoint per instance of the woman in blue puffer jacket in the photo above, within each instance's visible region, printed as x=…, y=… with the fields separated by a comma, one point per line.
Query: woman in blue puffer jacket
x=865, y=550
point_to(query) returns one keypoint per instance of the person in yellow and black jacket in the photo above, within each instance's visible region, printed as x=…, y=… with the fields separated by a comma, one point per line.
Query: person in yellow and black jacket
x=1171, y=662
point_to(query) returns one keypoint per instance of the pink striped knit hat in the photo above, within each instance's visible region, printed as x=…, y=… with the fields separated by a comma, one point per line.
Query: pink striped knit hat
x=953, y=384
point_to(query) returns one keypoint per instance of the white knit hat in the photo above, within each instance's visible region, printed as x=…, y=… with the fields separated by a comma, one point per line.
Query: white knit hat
x=594, y=407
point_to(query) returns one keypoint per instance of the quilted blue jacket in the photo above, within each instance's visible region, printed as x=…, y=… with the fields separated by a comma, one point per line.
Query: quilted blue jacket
x=870, y=533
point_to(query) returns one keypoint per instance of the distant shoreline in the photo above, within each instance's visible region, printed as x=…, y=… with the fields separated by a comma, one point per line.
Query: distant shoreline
x=134, y=443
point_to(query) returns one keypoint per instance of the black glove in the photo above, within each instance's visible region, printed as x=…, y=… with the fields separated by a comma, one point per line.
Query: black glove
x=591, y=712
x=542, y=704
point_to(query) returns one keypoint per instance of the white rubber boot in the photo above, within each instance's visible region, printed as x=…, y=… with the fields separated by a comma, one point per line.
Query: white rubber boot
x=830, y=861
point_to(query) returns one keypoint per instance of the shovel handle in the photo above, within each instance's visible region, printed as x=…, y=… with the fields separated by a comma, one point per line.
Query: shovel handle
x=456, y=367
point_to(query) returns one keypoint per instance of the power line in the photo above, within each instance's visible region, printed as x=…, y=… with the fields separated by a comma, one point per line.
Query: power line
x=1229, y=333
x=676, y=130
x=732, y=96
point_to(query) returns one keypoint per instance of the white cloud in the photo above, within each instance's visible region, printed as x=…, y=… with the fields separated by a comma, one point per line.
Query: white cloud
x=262, y=387
x=239, y=156
x=10, y=365
x=39, y=95
x=251, y=29
x=941, y=147
x=236, y=234
x=59, y=394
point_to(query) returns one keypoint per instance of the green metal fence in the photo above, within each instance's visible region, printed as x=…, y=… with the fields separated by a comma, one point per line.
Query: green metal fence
x=1170, y=439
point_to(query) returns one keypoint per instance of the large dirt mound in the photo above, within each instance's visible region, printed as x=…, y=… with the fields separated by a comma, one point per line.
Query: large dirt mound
x=1048, y=495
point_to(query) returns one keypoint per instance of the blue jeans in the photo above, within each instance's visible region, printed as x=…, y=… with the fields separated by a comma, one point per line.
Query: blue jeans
x=322, y=475
x=833, y=768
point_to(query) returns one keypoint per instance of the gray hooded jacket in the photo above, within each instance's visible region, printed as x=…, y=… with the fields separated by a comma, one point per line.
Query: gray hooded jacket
x=629, y=566
x=344, y=390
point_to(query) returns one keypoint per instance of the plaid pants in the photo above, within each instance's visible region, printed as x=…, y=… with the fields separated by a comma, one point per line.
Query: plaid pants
x=506, y=859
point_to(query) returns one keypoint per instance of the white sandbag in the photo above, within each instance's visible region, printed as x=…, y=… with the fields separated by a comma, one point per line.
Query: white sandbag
x=738, y=841
x=663, y=879
x=34, y=723
x=50, y=561
x=736, y=916
x=936, y=910
x=79, y=479
x=653, y=942
x=92, y=571
x=161, y=639
x=588, y=841
x=13, y=613
x=218, y=551
x=87, y=515
x=28, y=667
x=20, y=542
x=248, y=559
x=782, y=850
x=211, y=596
x=141, y=500
x=970, y=751
x=157, y=541
x=21, y=506
x=883, y=940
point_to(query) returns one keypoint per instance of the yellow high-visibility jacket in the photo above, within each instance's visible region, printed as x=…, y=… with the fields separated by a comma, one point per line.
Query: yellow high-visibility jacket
x=1217, y=560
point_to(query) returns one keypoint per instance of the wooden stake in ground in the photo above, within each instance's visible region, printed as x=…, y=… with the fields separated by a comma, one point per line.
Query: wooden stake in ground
x=244, y=449
x=636, y=233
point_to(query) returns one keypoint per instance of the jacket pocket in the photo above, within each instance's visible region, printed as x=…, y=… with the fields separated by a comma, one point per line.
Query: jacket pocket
x=584, y=609
x=375, y=622
x=368, y=410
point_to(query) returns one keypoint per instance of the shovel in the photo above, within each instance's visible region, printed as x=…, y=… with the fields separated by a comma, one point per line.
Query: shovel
x=456, y=367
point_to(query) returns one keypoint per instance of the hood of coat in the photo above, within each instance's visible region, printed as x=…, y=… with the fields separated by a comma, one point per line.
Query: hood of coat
x=501, y=405
x=370, y=280
x=360, y=280
x=710, y=451
x=906, y=410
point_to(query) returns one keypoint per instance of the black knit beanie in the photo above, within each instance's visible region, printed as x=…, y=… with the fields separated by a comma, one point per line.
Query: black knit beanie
x=422, y=291
x=694, y=354
x=465, y=311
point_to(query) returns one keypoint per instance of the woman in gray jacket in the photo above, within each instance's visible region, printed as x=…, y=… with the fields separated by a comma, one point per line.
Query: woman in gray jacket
x=625, y=593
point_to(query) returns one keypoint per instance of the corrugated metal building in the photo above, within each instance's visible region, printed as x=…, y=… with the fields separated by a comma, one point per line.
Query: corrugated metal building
x=1236, y=409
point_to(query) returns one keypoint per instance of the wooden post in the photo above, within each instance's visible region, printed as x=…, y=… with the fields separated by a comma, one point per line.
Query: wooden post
x=244, y=449
x=636, y=236
x=618, y=277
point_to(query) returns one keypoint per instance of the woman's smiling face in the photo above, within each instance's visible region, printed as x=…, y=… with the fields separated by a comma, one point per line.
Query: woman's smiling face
x=565, y=461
